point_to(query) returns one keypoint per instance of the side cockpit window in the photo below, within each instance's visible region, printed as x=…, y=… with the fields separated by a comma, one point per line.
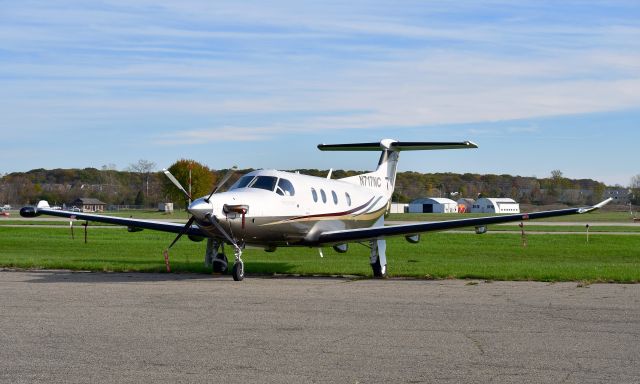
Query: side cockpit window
x=285, y=188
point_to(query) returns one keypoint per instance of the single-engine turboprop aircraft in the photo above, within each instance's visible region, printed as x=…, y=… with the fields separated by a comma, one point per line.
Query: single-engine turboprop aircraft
x=270, y=209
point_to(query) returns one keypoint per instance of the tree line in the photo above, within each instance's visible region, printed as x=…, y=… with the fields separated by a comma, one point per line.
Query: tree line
x=142, y=185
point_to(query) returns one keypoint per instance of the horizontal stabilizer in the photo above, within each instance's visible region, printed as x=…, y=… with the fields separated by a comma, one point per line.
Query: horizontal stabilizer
x=397, y=146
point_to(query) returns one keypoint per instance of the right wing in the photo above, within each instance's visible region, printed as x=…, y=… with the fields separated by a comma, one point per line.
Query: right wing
x=347, y=235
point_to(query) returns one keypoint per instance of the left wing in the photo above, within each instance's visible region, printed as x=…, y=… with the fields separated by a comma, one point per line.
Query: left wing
x=342, y=236
x=43, y=208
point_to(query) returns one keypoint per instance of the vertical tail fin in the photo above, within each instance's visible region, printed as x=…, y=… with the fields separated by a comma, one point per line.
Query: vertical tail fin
x=383, y=179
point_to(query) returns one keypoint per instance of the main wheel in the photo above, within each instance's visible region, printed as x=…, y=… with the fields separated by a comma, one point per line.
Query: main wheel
x=220, y=263
x=238, y=271
x=378, y=270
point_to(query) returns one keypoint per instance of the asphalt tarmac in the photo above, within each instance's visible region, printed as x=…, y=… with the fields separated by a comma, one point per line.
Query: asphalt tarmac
x=64, y=327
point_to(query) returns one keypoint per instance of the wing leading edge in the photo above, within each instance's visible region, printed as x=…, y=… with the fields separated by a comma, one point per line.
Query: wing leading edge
x=334, y=237
x=135, y=223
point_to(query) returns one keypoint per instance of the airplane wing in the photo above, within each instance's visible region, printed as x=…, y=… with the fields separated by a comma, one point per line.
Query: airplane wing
x=132, y=223
x=342, y=236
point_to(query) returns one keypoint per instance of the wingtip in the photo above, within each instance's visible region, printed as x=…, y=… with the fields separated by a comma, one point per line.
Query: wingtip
x=603, y=203
x=595, y=207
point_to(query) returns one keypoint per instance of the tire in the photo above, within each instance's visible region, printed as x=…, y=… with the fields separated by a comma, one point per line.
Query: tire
x=238, y=271
x=377, y=270
x=220, y=263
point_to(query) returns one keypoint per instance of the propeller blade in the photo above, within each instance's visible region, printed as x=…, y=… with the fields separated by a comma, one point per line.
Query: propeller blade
x=176, y=183
x=183, y=231
x=226, y=177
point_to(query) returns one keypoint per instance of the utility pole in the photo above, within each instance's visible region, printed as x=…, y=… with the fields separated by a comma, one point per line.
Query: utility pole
x=190, y=167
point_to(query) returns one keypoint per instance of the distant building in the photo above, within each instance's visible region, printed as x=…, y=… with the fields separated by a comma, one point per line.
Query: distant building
x=465, y=205
x=619, y=195
x=398, y=208
x=433, y=205
x=88, y=204
x=495, y=205
x=165, y=207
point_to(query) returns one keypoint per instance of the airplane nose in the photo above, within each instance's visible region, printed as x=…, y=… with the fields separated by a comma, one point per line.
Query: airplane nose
x=200, y=209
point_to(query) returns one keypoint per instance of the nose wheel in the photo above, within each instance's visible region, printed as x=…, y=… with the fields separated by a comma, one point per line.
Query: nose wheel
x=238, y=271
x=238, y=267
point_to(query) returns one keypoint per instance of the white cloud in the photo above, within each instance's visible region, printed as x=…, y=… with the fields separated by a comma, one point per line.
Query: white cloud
x=300, y=66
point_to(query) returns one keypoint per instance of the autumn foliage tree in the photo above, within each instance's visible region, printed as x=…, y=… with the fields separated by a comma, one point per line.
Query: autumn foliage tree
x=202, y=180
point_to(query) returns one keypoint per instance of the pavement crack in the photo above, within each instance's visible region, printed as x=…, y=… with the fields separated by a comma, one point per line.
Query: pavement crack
x=475, y=342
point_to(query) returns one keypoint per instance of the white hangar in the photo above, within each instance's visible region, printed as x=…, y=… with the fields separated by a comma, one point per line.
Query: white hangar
x=495, y=205
x=433, y=205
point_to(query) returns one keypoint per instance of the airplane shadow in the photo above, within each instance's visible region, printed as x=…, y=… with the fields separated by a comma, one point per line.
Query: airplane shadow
x=179, y=273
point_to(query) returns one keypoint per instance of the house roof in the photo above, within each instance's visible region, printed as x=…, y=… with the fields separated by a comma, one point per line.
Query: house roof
x=89, y=201
x=432, y=200
x=499, y=200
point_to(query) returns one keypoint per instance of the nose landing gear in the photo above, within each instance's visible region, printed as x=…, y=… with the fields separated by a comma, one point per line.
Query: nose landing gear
x=238, y=267
x=237, y=271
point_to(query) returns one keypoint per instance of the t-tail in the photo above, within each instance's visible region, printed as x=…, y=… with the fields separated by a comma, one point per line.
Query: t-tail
x=383, y=179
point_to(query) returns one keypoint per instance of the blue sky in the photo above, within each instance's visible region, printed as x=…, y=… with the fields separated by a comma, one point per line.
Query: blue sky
x=539, y=85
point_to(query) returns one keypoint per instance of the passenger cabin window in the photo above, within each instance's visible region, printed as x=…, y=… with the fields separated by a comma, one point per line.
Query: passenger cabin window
x=315, y=195
x=285, y=188
x=335, y=197
x=348, y=198
x=324, y=196
x=264, y=182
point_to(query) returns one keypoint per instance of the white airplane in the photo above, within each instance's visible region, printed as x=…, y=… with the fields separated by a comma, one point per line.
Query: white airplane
x=271, y=209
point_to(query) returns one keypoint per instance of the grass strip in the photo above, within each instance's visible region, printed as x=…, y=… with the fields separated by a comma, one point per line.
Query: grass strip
x=439, y=255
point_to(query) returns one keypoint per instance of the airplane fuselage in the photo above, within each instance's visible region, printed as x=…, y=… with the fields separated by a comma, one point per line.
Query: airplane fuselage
x=284, y=208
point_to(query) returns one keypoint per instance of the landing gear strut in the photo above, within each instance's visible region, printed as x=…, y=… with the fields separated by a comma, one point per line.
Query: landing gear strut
x=238, y=267
x=215, y=257
x=378, y=258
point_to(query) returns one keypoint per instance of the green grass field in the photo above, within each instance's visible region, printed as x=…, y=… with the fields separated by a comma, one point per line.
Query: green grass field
x=439, y=255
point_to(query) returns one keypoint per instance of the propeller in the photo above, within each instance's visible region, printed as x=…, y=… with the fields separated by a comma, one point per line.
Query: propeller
x=226, y=178
x=183, y=230
x=175, y=182
x=197, y=206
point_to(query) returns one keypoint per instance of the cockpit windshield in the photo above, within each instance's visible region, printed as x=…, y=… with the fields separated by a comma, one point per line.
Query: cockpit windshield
x=242, y=182
x=264, y=182
x=284, y=188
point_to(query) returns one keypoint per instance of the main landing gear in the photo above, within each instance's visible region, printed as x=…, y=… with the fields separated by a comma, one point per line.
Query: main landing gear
x=215, y=257
x=378, y=258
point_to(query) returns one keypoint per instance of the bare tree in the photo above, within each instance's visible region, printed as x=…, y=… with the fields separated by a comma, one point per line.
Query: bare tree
x=143, y=167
